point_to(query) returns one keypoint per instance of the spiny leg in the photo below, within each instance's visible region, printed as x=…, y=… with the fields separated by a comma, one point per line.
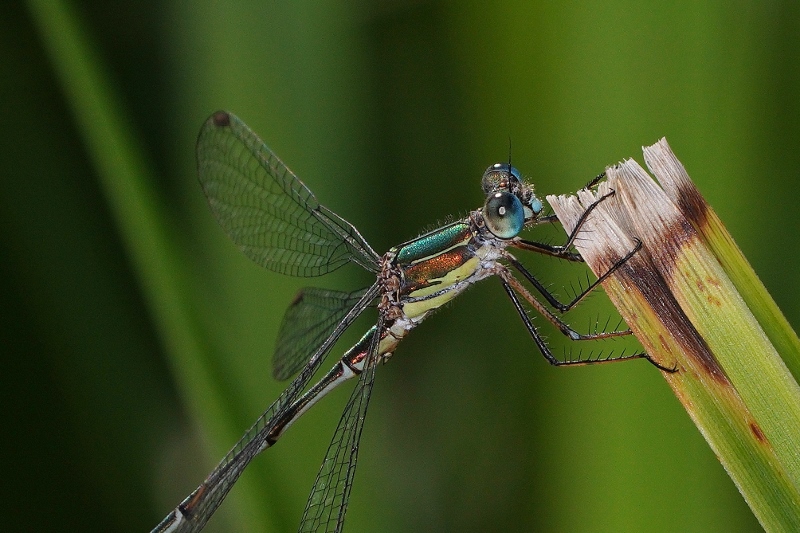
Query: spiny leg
x=512, y=282
x=595, y=180
x=548, y=354
x=579, y=297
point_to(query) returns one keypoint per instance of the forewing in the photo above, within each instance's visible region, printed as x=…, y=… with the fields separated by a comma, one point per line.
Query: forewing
x=266, y=210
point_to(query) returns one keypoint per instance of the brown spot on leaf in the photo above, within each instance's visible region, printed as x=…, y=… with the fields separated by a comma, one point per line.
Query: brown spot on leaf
x=675, y=237
x=692, y=204
x=702, y=287
x=757, y=433
x=662, y=341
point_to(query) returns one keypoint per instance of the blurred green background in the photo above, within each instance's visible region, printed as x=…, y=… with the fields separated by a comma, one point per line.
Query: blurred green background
x=389, y=111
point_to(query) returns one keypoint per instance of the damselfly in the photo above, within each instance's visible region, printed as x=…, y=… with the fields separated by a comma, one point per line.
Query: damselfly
x=277, y=222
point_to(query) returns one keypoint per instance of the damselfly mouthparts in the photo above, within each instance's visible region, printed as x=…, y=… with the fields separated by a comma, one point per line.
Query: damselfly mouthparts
x=277, y=222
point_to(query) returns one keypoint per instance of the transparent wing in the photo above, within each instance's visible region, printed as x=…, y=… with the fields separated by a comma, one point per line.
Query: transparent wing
x=327, y=503
x=266, y=210
x=308, y=321
x=194, y=511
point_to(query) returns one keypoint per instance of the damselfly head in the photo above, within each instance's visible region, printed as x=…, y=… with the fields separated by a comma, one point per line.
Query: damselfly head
x=502, y=177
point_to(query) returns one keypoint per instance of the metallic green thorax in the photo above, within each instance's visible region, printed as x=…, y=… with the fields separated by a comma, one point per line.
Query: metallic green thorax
x=432, y=243
x=435, y=267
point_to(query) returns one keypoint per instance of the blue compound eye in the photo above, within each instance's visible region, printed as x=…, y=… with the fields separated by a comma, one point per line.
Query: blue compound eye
x=504, y=215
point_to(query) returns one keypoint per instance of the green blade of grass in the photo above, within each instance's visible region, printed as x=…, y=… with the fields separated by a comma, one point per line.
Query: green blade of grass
x=127, y=180
x=685, y=309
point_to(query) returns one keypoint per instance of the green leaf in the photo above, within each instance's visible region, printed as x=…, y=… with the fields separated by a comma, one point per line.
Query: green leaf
x=679, y=299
